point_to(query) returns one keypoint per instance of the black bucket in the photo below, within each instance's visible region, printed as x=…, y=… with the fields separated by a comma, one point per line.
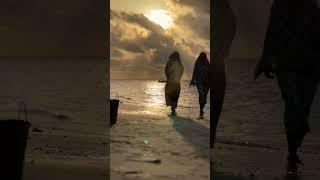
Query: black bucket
x=114, y=104
x=13, y=138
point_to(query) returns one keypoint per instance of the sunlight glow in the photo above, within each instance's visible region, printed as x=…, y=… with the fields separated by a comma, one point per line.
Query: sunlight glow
x=155, y=93
x=161, y=17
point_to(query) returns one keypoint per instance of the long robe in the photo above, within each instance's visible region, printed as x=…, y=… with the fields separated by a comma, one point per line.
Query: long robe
x=174, y=70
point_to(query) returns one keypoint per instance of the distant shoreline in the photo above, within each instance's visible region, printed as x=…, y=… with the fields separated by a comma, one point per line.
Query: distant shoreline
x=140, y=80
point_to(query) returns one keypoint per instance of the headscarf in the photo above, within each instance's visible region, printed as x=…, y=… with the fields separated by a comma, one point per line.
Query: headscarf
x=175, y=55
x=202, y=58
x=174, y=68
x=201, y=70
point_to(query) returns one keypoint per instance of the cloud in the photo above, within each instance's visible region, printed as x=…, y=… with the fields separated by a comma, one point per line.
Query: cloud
x=202, y=6
x=141, y=47
x=146, y=37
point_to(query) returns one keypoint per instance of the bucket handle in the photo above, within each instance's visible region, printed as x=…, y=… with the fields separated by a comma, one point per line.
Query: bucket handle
x=22, y=107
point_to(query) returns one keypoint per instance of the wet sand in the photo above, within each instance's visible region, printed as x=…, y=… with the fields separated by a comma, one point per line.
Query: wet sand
x=66, y=103
x=66, y=168
x=251, y=140
x=158, y=147
x=247, y=162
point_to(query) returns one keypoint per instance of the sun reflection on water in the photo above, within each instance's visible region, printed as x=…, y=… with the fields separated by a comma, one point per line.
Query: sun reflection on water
x=154, y=92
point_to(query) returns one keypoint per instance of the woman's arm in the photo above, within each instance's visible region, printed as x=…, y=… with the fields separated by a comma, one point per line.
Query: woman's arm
x=194, y=74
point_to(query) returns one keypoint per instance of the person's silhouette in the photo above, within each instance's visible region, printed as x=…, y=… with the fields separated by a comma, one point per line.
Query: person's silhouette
x=174, y=70
x=292, y=56
x=222, y=35
x=200, y=78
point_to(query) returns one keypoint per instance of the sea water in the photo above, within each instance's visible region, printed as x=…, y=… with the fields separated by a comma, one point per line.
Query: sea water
x=149, y=96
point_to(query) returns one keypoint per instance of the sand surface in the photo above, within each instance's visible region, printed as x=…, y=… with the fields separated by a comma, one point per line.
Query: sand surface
x=250, y=137
x=148, y=143
x=250, y=143
x=66, y=104
x=159, y=146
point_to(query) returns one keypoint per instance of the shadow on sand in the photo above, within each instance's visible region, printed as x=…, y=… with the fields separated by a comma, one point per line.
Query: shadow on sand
x=215, y=175
x=198, y=136
x=219, y=176
x=194, y=133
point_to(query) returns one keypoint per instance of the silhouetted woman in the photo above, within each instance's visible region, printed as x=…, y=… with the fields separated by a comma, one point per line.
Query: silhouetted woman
x=200, y=78
x=222, y=33
x=174, y=70
x=291, y=53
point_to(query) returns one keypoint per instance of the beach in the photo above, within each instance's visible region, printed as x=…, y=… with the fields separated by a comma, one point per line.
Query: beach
x=251, y=141
x=66, y=101
x=148, y=143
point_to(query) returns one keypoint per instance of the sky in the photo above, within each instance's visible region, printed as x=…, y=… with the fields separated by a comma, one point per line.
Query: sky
x=144, y=33
x=252, y=18
x=52, y=28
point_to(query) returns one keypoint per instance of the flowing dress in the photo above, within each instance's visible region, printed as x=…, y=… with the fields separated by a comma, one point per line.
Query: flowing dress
x=174, y=70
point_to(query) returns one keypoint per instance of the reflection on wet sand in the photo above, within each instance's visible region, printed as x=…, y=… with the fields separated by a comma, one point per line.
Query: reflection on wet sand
x=148, y=143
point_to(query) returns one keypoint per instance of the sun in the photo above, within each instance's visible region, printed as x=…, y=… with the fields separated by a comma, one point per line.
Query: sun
x=161, y=17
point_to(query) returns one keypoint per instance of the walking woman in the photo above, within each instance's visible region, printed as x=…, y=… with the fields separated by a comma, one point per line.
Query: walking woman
x=291, y=55
x=174, y=70
x=223, y=31
x=200, y=78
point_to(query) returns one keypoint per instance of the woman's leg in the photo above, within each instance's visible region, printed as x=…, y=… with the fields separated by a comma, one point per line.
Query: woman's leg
x=298, y=91
x=203, y=91
x=206, y=91
x=176, y=96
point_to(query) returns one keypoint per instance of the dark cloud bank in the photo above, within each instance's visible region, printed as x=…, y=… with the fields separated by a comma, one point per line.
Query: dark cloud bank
x=149, y=51
x=252, y=19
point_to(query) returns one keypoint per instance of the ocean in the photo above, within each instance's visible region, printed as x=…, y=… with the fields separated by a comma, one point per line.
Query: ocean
x=149, y=96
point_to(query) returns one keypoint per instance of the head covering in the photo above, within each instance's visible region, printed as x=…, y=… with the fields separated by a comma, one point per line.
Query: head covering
x=174, y=68
x=174, y=55
x=203, y=58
